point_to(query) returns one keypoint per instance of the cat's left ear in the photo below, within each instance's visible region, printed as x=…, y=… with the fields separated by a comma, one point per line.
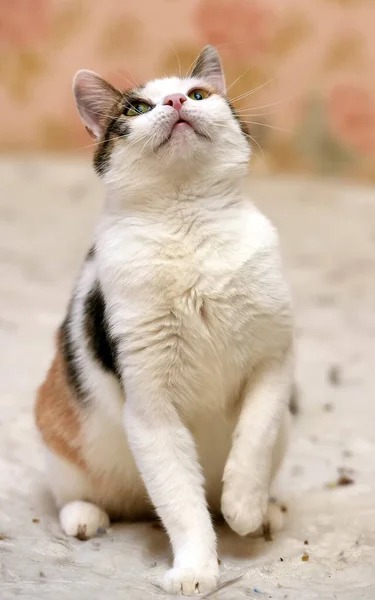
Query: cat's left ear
x=208, y=66
x=95, y=99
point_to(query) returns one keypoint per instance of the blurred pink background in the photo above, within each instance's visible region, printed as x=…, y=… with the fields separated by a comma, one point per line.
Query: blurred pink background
x=310, y=67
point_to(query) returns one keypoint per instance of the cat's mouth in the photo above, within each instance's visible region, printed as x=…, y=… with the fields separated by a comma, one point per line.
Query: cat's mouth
x=180, y=126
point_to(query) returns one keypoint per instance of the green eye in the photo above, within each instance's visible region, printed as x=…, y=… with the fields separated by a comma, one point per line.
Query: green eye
x=137, y=108
x=198, y=94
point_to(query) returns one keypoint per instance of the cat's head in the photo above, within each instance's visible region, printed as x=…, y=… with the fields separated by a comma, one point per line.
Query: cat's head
x=166, y=125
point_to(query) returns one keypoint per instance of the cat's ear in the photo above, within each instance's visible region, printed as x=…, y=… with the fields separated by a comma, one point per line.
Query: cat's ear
x=95, y=99
x=208, y=66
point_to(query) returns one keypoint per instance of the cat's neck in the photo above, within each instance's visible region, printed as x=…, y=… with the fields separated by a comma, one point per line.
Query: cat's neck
x=152, y=192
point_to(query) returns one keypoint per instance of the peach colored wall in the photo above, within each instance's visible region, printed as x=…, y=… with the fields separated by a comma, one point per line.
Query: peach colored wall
x=309, y=65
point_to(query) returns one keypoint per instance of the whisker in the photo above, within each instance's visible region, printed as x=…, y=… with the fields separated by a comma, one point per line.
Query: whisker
x=240, y=110
x=265, y=114
x=191, y=68
x=223, y=125
x=207, y=133
x=144, y=146
x=133, y=83
x=254, y=90
x=235, y=81
x=256, y=123
x=267, y=125
x=178, y=60
x=97, y=112
x=118, y=137
x=264, y=162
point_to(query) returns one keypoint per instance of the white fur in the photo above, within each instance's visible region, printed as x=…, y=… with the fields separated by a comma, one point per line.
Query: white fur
x=198, y=304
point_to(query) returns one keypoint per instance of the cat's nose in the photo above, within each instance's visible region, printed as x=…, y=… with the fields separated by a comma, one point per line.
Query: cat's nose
x=175, y=100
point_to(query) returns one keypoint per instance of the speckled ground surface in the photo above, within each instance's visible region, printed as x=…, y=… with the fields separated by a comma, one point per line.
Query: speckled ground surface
x=47, y=210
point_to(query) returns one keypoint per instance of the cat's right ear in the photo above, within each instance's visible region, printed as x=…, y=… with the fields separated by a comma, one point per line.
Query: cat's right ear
x=95, y=99
x=208, y=66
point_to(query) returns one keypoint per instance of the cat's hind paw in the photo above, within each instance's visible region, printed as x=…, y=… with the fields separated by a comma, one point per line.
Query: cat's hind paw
x=83, y=519
x=273, y=522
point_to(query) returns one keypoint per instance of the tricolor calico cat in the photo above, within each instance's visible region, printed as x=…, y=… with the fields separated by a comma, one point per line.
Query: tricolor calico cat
x=168, y=394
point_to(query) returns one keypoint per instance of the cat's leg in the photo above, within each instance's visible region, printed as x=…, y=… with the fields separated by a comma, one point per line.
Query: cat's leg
x=258, y=441
x=166, y=456
x=274, y=518
x=72, y=489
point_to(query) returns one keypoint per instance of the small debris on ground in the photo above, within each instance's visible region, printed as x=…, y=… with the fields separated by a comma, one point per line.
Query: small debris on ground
x=331, y=485
x=345, y=480
x=305, y=557
x=328, y=407
x=42, y=574
x=334, y=375
x=218, y=561
x=283, y=508
x=36, y=520
x=4, y=537
x=281, y=559
x=347, y=453
x=267, y=532
x=306, y=542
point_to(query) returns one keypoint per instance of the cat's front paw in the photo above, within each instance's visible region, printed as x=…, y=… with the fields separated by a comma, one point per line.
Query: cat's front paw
x=190, y=582
x=243, y=508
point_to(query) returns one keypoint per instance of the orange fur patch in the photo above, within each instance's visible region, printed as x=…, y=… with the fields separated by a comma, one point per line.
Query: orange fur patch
x=57, y=415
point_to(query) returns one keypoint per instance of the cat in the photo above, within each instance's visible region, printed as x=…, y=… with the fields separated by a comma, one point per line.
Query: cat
x=168, y=394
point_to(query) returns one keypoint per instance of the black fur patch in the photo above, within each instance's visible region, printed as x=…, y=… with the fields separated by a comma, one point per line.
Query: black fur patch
x=242, y=124
x=105, y=147
x=68, y=350
x=117, y=127
x=91, y=253
x=99, y=339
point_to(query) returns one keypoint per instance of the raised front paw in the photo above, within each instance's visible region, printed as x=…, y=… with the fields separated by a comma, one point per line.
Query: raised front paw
x=190, y=582
x=244, y=508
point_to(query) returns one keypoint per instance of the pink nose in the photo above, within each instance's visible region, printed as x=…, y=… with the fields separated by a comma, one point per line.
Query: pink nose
x=175, y=100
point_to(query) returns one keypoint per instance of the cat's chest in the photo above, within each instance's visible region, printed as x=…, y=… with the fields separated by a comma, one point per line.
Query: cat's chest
x=202, y=266
x=171, y=258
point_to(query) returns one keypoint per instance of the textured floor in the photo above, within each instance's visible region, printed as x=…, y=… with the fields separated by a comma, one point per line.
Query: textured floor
x=47, y=210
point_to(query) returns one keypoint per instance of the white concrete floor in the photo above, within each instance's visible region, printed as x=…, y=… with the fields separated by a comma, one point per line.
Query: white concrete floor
x=47, y=210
